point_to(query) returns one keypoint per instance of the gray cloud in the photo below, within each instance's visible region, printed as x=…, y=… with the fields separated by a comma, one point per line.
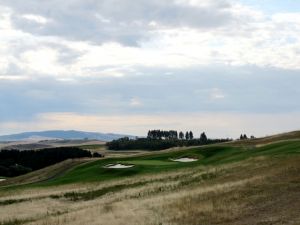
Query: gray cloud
x=42, y=72
x=185, y=91
x=123, y=21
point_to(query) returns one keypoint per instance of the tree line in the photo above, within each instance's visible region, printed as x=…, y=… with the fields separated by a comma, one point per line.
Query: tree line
x=160, y=139
x=15, y=162
x=173, y=134
x=244, y=137
x=170, y=134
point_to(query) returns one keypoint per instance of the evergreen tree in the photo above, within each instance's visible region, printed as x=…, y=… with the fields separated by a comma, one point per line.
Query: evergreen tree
x=187, y=135
x=181, y=135
x=191, y=135
x=203, y=138
x=149, y=134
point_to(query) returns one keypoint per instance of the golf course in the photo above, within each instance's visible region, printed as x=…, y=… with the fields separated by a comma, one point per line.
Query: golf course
x=223, y=183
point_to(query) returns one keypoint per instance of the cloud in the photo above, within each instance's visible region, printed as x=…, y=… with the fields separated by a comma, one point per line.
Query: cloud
x=214, y=124
x=135, y=102
x=146, y=58
x=216, y=94
x=100, y=21
x=97, y=39
x=185, y=90
x=43, y=61
x=12, y=77
x=36, y=18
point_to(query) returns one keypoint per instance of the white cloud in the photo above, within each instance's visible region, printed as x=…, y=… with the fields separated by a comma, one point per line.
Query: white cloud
x=216, y=94
x=13, y=77
x=287, y=17
x=5, y=23
x=135, y=102
x=106, y=56
x=249, y=38
x=36, y=18
x=42, y=61
x=101, y=18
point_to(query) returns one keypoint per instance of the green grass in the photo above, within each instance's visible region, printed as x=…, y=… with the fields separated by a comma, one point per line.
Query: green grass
x=147, y=162
x=160, y=162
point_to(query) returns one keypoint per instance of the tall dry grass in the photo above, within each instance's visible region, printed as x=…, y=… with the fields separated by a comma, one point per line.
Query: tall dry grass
x=257, y=191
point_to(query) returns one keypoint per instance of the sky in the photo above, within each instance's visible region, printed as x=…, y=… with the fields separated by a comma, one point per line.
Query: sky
x=225, y=67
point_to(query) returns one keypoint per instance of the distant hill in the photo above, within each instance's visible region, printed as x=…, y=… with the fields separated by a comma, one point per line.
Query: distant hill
x=268, y=139
x=63, y=135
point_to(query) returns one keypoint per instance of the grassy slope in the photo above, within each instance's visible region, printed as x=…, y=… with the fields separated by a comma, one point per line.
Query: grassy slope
x=160, y=162
x=50, y=172
x=228, y=185
x=287, y=143
x=294, y=135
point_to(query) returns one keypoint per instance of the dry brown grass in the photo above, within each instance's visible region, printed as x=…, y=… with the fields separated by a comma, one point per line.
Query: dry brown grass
x=294, y=135
x=257, y=191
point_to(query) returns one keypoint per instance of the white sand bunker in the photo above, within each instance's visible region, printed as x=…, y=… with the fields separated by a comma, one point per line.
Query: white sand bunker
x=185, y=159
x=2, y=180
x=118, y=166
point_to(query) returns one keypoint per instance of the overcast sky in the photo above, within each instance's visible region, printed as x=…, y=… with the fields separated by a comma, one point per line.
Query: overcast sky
x=125, y=66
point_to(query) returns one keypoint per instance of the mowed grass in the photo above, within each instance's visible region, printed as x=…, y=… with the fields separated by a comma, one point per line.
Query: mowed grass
x=161, y=162
x=227, y=185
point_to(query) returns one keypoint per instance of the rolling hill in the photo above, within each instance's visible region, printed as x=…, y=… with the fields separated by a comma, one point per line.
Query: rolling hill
x=238, y=183
x=62, y=134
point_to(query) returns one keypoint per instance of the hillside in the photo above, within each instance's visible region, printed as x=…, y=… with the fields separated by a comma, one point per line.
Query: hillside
x=294, y=135
x=223, y=184
x=161, y=162
x=61, y=134
x=45, y=174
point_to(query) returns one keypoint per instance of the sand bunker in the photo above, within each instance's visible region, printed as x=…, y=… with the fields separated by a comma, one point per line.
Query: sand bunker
x=2, y=180
x=118, y=166
x=185, y=159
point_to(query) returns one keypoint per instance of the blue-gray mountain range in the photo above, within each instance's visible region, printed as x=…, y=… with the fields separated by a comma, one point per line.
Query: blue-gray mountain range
x=62, y=134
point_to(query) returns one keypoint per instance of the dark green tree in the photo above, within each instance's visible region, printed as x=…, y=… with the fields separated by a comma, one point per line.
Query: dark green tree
x=191, y=135
x=203, y=138
x=187, y=135
x=149, y=134
x=176, y=134
x=181, y=135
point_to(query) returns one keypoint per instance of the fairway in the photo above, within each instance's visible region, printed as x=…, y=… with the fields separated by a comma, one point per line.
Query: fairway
x=226, y=185
x=150, y=162
x=149, y=112
x=161, y=162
